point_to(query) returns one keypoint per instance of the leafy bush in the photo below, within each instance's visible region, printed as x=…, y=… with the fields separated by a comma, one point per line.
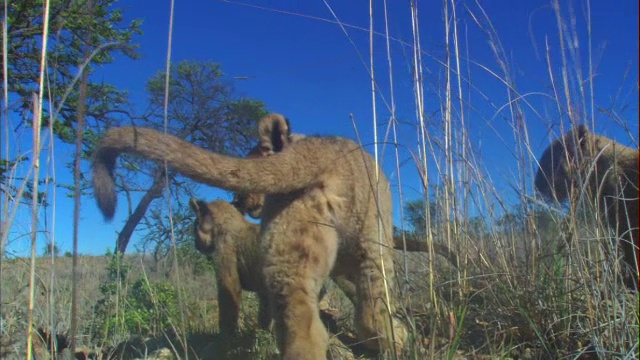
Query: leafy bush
x=150, y=307
x=144, y=308
x=198, y=263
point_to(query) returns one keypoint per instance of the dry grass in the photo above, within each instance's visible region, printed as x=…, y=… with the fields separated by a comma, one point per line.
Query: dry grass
x=53, y=304
x=505, y=307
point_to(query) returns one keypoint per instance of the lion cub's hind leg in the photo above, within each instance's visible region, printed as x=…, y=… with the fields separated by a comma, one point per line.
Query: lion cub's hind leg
x=376, y=328
x=300, y=254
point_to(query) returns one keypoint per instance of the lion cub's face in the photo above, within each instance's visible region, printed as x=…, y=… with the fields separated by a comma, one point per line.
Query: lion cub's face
x=203, y=226
x=251, y=203
x=218, y=224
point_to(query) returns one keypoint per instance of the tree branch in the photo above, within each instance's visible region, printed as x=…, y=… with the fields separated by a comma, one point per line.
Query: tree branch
x=154, y=192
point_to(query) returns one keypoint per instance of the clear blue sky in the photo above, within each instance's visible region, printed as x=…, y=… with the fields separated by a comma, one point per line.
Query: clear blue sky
x=309, y=70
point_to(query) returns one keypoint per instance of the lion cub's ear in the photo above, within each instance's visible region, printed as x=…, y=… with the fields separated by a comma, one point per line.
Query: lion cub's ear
x=577, y=140
x=275, y=133
x=582, y=131
x=204, y=217
x=199, y=207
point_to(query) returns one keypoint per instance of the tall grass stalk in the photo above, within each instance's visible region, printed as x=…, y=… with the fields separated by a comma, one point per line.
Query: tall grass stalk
x=52, y=234
x=450, y=204
x=462, y=138
x=421, y=160
x=4, y=125
x=4, y=199
x=80, y=118
x=176, y=268
x=381, y=230
x=393, y=123
x=34, y=217
x=37, y=120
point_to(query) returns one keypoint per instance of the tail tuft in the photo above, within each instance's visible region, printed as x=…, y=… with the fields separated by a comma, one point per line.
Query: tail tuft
x=104, y=185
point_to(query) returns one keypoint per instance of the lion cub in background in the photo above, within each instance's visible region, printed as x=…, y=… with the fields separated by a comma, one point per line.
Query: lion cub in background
x=224, y=234
x=606, y=169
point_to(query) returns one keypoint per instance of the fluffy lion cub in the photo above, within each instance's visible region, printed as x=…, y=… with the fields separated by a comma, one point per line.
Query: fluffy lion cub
x=224, y=234
x=605, y=169
x=326, y=210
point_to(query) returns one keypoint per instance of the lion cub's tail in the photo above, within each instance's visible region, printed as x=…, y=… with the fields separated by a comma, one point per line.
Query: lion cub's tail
x=283, y=172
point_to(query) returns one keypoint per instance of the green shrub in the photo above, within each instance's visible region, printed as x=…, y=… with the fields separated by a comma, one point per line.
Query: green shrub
x=144, y=308
x=150, y=307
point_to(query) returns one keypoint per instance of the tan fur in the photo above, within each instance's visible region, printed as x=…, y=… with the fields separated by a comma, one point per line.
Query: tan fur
x=224, y=234
x=320, y=216
x=413, y=244
x=568, y=165
x=275, y=136
x=250, y=203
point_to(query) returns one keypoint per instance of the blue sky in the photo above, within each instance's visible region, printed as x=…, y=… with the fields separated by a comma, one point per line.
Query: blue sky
x=311, y=71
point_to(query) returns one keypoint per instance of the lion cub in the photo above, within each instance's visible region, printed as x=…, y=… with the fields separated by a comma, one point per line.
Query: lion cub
x=224, y=234
x=327, y=211
x=602, y=167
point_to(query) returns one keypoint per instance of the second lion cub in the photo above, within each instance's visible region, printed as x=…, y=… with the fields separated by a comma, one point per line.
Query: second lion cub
x=224, y=234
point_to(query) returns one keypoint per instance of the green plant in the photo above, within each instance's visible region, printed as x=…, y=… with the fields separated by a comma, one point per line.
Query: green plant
x=144, y=308
x=51, y=249
x=197, y=262
x=150, y=307
x=108, y=308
